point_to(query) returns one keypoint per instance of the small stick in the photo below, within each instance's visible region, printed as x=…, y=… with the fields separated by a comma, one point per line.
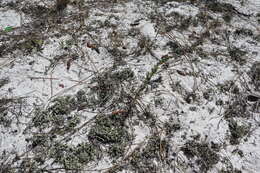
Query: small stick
x=47, y=78
x=51, y=85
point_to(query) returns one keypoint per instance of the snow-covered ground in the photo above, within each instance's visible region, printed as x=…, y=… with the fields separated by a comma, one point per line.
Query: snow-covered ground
x=130, y=86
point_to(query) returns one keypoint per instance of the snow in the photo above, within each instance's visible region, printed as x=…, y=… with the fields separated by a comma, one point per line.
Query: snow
x=147, y=29
x=9, y=18
x=40, y=82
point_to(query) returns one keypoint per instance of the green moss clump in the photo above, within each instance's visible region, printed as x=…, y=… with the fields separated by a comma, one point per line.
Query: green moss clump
x=107, y=86
x=219, y=7
x=238, y=108
x=109, y=129
x=63, y=105
x=227, y=17
x=58, y=116
x=73, y=157
x=111, y=132
x=123, y=75
x=237, y=131
x=237, y=55
x=206, y=156
x=32, y=45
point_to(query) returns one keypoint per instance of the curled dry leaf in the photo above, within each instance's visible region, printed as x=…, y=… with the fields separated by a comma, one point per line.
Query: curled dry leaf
x=93, y=47
x=61, y=85
x=182, y=73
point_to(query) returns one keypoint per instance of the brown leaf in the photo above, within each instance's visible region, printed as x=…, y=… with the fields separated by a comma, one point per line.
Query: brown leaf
x=61, y=85
x=181, y=73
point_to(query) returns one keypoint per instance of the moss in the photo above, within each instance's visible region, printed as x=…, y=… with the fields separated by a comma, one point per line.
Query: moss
x=73, y=157
x=32, y=44
x=116, y=150
x=145, y=160
x=67, y=44
x=104, y=91
x=185, y=23
x=58, y=115
x=4, y=81
x=171, y=127
x=208, y=94
x=206, y=157
x=228, y=86
x=203, y=18
x=107, y=85
x=237, y=55
x=123, y=75
x=227, y=17
x=229, y=168
x=219, y=7
x=238, y=108
x=5, y=101
x=174, y=46
x=255, y=75
x=39, y=140
x=237, y=131
x=35, y=10
x=148, y=118
x=29, y=165
x=243, y=32
x=109, y=129
x=6, y=104
x=111, y=132
x=4, y=119
x=63, y=105
x=57, y=120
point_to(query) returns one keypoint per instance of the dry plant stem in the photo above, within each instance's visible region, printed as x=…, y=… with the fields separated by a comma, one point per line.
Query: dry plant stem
x=44, y=78
x=195, y=85
x=127, y=157
x=78, y=129
x=7, y=62
x=69, y=88
x=85, y=54
x=51, y=84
